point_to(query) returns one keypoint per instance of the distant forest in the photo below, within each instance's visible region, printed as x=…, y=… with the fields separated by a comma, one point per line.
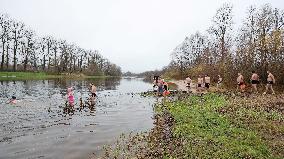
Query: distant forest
x=258, y=44
x=22, y=50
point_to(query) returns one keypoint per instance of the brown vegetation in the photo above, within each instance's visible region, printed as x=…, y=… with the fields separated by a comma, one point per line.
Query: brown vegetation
x=257, y=45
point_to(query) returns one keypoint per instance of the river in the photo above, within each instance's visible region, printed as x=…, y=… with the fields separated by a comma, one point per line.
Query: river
x=36, y=127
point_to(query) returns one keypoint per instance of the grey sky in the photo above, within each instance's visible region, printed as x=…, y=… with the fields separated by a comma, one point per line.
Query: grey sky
x=137, y=35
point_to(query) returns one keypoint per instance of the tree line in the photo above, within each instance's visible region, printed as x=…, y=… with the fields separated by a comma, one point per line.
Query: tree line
x=258, y=44
x=22, y=50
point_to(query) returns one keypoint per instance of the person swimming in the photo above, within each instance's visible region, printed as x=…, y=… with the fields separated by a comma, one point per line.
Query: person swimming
x=13, y=100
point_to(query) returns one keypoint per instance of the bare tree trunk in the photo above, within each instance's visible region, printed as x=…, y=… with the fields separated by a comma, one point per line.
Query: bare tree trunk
x=70, y=64
x=35, y=64
x=74, y=64
x=49, y=59
x=26, y=57
x=26, y=62
x=81, y=63
x=3, y=55
x=15, y=57
x=7, y=57
x=48, y=49
x=43, y=65
x=55, y=59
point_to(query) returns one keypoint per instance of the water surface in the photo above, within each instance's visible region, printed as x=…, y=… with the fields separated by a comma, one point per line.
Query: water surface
x=36, y=126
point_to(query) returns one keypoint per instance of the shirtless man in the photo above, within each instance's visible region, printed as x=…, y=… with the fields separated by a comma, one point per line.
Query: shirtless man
x=219, y=82
x=207, y=81
x=188, y=82
x=270, y=82
x=93, y=90
x=199, y=83
x=240, y=81
x=254, y=80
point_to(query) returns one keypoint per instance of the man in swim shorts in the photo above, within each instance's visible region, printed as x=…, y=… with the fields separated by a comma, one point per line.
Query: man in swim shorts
x=240, y=81
x=188, y=83
x=199, y=83
x=254, y=80
x=270, y=82
x=93, y=90
x=207, y=81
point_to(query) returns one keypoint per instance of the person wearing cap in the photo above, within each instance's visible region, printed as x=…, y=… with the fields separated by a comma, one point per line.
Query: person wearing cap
x=70, y=96
x=13, y=100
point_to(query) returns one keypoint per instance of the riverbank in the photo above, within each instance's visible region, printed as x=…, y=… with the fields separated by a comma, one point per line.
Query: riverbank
x=210, y=126
x=42, y=75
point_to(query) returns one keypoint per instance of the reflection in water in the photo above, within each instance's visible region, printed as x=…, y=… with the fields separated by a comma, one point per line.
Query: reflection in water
x=24, y=88
x=40, y=126
x=89, y=104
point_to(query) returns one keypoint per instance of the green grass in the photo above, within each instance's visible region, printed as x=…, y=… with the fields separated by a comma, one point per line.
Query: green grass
x=209, y=134
x=210, y=126
x=39, y=75
x=23, y=75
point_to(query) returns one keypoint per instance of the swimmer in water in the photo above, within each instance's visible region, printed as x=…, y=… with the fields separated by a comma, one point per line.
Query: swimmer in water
x=13, y=100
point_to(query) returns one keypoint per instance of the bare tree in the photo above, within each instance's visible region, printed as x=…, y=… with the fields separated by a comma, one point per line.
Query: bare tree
x=222, y=24
x=5, y=26
x=17, y=34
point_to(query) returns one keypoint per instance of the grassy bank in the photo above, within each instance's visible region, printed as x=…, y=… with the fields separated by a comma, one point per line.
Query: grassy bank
x=211, y=126
x=41, y=75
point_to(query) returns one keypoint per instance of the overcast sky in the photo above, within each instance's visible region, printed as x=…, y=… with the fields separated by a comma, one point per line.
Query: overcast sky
x=137, y=35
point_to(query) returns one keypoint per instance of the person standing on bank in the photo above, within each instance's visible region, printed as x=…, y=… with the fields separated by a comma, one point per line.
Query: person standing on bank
x=207, y=81
x=270, y=82
x=160, y=85
x=199, y=83
x=219, y=82
x=241, y=83
x=188, y=83
x=254, y=81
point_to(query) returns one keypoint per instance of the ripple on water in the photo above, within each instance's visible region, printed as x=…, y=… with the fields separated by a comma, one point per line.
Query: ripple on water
x=37, y=127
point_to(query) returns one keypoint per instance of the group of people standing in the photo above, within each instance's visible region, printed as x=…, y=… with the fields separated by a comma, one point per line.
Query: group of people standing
x=204, y=82
x=161, y=85
x=70, y=95
x=255, y=81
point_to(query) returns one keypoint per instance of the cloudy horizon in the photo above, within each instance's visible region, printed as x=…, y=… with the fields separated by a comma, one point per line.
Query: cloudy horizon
x=136, y=35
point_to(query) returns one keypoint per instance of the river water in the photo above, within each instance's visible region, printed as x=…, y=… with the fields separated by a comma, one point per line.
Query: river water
x=36, y=127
